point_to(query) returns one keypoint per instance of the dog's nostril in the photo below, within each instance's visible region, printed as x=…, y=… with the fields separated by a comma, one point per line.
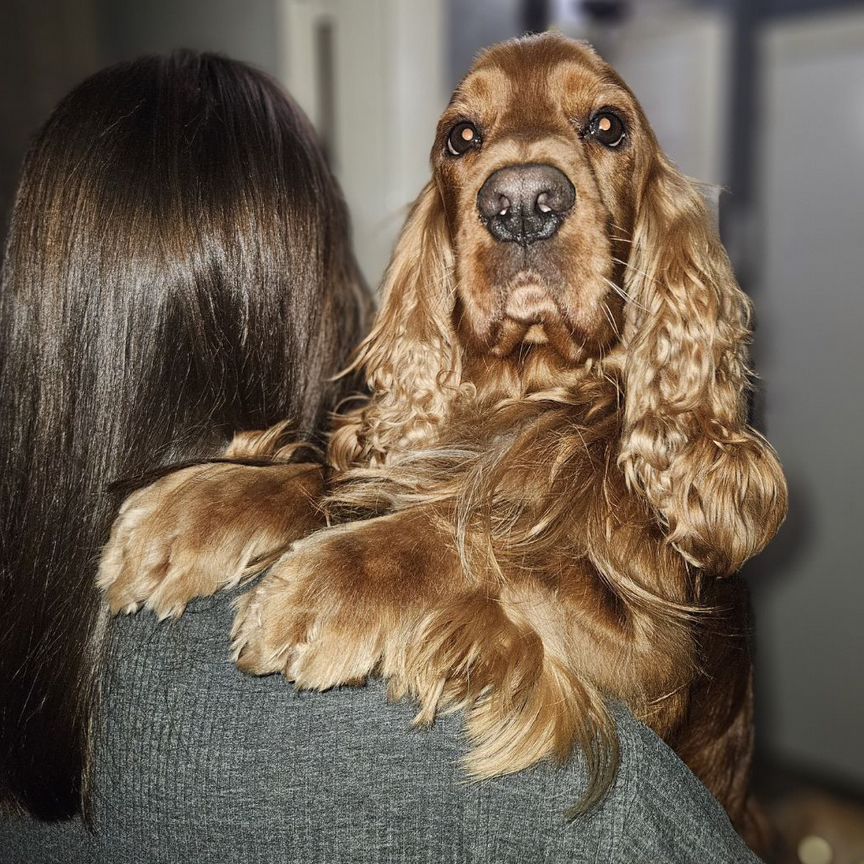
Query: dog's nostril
x=542, y=203
x=505, y=205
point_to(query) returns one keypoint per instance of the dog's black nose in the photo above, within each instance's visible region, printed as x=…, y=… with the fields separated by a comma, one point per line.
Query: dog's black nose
x=525, y=203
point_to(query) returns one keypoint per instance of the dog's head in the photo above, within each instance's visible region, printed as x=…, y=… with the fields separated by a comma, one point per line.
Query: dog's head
x=537, y=161
x=555, y=233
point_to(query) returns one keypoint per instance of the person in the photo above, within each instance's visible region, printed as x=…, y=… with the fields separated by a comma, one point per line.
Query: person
x=178, y=269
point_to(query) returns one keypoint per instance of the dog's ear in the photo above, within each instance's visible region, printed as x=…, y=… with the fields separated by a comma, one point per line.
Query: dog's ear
x=715, y=483
x=410, y=358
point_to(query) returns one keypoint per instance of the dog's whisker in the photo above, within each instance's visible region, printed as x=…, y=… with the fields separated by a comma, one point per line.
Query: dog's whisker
x=623, y=294
x=610, y=318
x=629, y=266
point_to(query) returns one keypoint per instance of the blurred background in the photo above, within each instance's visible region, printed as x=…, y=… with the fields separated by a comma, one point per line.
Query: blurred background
x=763, y=97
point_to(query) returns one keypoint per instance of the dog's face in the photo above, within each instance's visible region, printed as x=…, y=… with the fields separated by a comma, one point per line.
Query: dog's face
x=536, y=160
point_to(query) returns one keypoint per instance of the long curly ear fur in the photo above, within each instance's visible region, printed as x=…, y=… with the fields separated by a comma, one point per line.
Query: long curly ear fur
x=714, y=481
x=410, y=358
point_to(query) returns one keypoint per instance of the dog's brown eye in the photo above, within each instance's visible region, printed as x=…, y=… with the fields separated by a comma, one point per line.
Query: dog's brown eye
x=462, y=137
x=607, y=128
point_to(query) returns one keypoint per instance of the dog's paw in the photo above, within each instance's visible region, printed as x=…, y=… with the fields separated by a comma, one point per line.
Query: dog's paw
x=312, y=618
x=139, y=564
x=199, y=530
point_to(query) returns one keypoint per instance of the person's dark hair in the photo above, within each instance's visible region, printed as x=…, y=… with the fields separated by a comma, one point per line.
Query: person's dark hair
x=178, y=268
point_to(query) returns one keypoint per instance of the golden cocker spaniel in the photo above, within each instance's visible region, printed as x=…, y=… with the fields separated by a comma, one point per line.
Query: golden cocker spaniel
x=530, y=513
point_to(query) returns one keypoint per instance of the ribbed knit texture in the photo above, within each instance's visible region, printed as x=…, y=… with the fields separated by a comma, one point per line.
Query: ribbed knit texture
x=198, y=763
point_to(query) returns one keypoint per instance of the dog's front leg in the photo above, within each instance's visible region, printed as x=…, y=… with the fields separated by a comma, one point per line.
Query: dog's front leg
x=203, y=529
x=390, y=596
x=346, y=600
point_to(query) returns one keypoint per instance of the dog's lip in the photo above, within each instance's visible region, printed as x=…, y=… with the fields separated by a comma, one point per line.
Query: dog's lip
x=510, y=335
x=554, y=333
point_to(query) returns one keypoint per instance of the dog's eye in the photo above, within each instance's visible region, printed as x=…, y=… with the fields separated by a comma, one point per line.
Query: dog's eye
x=607, y=128
x=462, y=137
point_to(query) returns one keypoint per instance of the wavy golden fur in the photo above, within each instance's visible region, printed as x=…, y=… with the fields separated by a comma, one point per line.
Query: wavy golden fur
x=531, y=510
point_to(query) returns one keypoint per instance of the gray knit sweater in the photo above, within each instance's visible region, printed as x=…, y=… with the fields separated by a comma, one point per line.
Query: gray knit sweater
x=197, y=763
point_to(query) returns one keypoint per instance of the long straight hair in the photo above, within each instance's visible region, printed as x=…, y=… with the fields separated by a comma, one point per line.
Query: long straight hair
x=178, y=268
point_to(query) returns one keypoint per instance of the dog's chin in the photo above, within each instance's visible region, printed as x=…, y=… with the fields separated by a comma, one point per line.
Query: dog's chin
x=530, y=315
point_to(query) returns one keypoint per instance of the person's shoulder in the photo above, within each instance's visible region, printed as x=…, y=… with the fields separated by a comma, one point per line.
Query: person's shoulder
x=668, y=814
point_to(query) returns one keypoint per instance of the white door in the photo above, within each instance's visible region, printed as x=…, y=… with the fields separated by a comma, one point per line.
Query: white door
x=370, y=75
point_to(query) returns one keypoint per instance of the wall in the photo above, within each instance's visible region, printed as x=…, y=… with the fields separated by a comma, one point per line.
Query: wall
x=244, y=30
x=810, y=589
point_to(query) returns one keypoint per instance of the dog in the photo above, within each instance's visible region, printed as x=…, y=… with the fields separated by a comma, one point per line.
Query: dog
x=543, y=500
